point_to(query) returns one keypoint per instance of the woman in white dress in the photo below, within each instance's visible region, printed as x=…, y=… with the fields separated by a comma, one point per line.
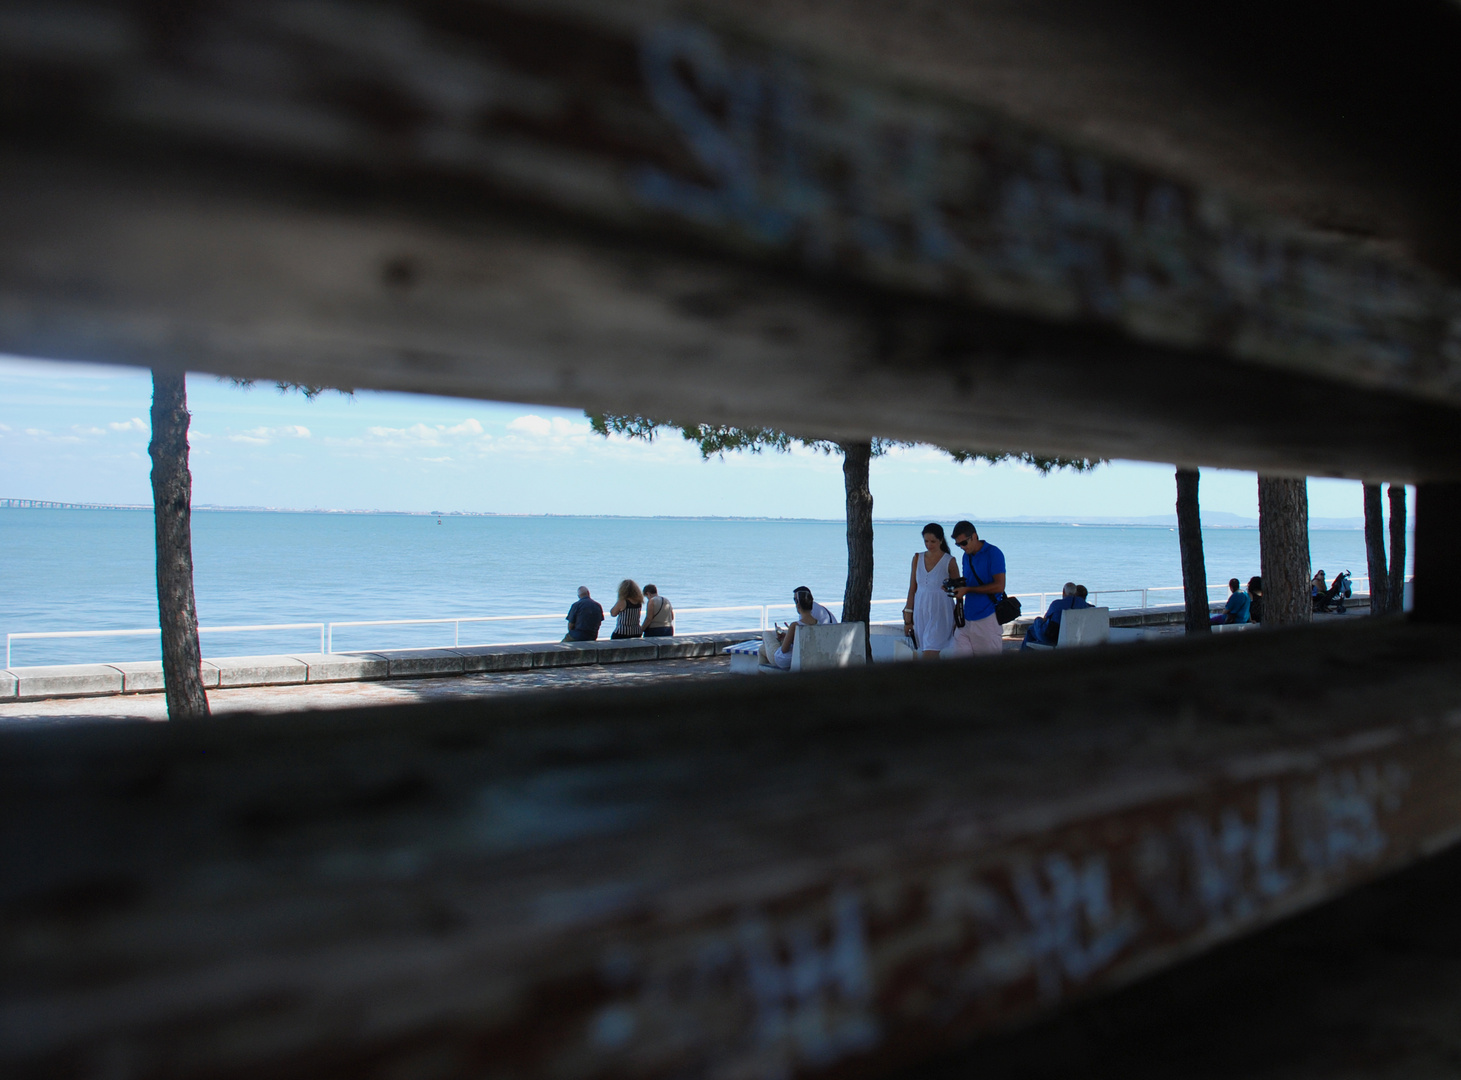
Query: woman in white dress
x=929, y=615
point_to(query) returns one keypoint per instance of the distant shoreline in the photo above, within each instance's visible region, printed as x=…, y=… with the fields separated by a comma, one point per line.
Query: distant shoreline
x=1220, y=520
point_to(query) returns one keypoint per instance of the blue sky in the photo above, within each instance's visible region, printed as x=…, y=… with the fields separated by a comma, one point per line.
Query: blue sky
x=78, y=433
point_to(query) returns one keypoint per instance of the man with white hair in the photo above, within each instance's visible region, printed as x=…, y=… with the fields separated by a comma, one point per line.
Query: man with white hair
x=584, y=618
x=1046, y=629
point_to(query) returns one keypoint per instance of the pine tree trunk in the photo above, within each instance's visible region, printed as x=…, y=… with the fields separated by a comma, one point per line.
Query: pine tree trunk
x=172, y=496
x=858, y=597
x=1397, y=547
x=1194, y=566
x=1283, y=541
x=1375, y=551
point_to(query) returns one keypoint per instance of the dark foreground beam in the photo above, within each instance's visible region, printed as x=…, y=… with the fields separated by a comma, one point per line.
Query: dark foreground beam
x=602, y=204
x=811, y=875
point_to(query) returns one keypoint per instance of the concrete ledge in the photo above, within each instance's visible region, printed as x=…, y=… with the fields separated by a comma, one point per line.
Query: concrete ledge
x=497, y=657
x=566, y=654
x=67, y=680
x=259, y=671
x=613, y=652
x=91, y=680
x=145, y=676
x=343, y=667
x=424, y=663
x=691, y=646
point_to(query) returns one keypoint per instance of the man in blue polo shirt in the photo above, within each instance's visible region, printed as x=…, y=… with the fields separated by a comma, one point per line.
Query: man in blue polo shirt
x=981, y=634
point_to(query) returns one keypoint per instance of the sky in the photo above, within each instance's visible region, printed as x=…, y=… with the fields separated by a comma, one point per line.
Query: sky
x=78, y=433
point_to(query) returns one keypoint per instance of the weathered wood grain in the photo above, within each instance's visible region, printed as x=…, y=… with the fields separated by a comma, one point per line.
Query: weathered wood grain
x=770, y=190
x=816, y=876
x=150, y=267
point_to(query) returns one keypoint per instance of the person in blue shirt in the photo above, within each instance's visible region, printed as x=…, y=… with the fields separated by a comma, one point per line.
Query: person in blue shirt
x=1236, y=609
x=1046, y=629
x=584, y=618
x=983, y=586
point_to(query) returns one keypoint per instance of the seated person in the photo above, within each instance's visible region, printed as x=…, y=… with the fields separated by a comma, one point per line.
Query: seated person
x=806, y=616
x=1082, y=594
x=1045, y=630
x=584, y=618
x=1317, y=589
x=1237, y=607
x=823, y=616
x=1334, y=594
x=659, y=616
x=1255, y=599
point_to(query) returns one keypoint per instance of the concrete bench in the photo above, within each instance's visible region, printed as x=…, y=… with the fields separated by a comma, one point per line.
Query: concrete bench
x=889, y=643
x=1081, y=626
x=816, y=648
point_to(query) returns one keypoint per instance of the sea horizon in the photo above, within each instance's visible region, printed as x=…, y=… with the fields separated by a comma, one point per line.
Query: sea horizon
x=1218, y=519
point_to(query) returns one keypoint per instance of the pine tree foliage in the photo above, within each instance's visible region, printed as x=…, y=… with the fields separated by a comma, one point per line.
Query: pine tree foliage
x=714, y=440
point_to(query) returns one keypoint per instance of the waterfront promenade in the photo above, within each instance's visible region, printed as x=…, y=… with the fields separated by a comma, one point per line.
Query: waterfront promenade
x=286, y=683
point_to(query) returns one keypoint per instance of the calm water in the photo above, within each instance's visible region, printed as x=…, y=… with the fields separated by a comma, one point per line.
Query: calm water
x=93, y=569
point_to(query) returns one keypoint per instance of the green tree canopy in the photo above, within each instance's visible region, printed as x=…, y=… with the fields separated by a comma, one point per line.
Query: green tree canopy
x=714, y=440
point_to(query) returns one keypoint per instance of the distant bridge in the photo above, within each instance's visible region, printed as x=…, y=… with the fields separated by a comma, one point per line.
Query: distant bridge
x=43, y=504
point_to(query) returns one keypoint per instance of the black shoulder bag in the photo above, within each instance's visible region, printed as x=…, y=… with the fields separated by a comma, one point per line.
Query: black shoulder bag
x=1006, y=608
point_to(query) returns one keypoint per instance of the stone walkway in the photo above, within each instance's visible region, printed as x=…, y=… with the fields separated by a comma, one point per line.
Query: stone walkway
x=353, y=694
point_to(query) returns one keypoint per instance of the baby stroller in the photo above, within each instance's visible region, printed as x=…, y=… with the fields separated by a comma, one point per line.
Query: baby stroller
x=1332, y=599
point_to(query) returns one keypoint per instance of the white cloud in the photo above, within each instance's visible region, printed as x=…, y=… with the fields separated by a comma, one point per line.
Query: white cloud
x=87, y=430
x=531, y=424
x=466, y=427
x=4, y=427
x=541, y=427
x=263, y=436
x=134, y=424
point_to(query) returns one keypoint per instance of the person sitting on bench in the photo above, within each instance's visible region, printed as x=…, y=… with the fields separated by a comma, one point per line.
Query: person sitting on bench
x=1045, y=630
x=1238, y=607
x=806, y=616
x=1332, y=599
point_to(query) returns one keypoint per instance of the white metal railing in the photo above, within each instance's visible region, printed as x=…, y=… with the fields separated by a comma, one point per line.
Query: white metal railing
x=146, y=633
x=1216, y=593
x=764, y=612
x=764, y=622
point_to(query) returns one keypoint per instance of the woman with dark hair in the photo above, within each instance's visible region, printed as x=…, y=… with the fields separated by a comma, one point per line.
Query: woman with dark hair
x=928, y=617
x=631, y=600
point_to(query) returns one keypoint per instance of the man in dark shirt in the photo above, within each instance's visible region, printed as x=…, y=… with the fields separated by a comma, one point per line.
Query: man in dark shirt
x=584, y=618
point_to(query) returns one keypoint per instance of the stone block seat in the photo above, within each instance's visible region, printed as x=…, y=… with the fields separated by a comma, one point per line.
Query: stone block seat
x=816, y=648
x=1081, y=626
x=889, y=643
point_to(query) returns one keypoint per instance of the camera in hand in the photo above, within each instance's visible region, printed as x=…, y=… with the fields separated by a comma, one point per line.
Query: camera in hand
x=950, y=584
